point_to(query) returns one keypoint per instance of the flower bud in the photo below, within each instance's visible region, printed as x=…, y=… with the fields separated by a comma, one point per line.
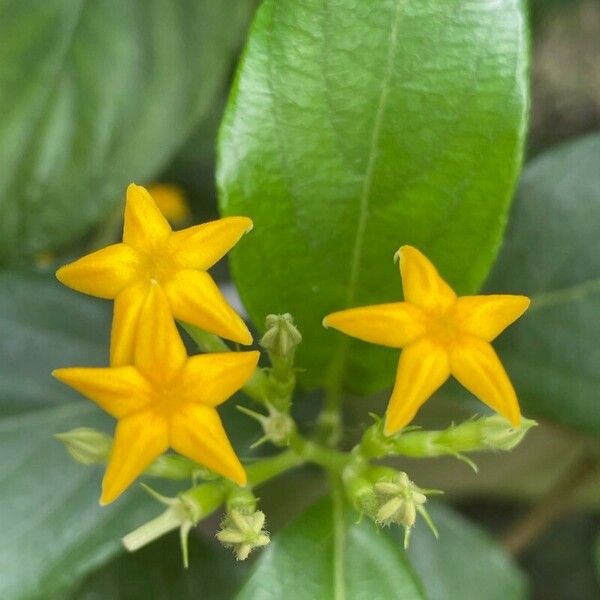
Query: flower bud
x=87, y=446
x=281, y=337
x=242, y=531
x=278, y=426
x=389, y=497
x=498, y=433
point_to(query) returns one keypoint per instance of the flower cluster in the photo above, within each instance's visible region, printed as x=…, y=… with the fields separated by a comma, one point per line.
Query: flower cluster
x=164, y=399
x=161, y=397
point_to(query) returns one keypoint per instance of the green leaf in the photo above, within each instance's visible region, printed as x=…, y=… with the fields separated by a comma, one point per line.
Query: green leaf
x=325, y=553
x=156, y=573
x=353, y=129
x=464, y=563
x=53, y=530
x=551, y=254
x=96, y=95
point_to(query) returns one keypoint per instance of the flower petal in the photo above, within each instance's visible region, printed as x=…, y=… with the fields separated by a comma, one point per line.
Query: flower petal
x=212, y=378
x=201, y=246
x=477, y=366
x=103, y=273
x=422, y=369
x=144, y=227
x=422, y=283
x=396, y=324
x=196, y=432
x=126, y=312
x=488, y=316
x=195, y=299
x=120, y=391
x=159, y=351
x=139, y=439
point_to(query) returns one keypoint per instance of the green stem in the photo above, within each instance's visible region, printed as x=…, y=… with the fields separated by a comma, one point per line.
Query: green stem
x=269, y=468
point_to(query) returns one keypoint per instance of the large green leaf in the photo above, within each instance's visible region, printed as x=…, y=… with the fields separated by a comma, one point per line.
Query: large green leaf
x=354, y=128
x=156, y=573
x=325, y=553
x=551, y=253
x=53, y=531
x=95, y=95
x=464, y=563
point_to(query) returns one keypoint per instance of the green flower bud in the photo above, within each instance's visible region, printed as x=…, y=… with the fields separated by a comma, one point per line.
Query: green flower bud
x=281, y=337
x=243, y=531
x=87, y=446
x=278, y=426
x=498, y=433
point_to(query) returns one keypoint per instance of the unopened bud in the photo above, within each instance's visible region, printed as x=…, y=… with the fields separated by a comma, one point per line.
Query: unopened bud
x=499, y=434
x=397, y=500
x=278, y=426
x=87, y=446
x=243, y=532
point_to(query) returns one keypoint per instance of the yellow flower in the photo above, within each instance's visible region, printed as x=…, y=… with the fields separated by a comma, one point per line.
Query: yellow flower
x=441, y=335
x=152, y=253
x=171, y=202
x=164, y=399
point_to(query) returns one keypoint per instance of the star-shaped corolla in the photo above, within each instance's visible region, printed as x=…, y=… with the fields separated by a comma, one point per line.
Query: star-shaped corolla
x=176, y=260
x=164, y=400
x=441, y=335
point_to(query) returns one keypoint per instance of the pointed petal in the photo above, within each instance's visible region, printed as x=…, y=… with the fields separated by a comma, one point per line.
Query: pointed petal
x=197, y=433
x=477, y=366
x=144, y=227
x=396, y=325
x=120, y=391
x=422, y=369
x=103, y=273
x=488, y=316
x=201, y=246
x=195, y=299
x=139, y=439
x=422, y=283
x=126, y=312
x=212, y=378
x=159, y=351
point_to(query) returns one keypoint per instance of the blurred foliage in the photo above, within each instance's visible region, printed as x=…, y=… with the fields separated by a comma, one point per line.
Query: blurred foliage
x=112, y=91
x=565, y=73
x=155, y=573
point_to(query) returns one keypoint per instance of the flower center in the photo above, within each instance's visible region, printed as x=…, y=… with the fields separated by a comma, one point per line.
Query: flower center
x=158, y=266
x=443, y=330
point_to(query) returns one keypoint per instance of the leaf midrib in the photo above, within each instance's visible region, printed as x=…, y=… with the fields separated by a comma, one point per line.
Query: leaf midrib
x=338, y=364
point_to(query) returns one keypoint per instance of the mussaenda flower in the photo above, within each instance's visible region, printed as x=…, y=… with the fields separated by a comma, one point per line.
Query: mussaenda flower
x=151, y=253
x=440, y=335
x=165, y=399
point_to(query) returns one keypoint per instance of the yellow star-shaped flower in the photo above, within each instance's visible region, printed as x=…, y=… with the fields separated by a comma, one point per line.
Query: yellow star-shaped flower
x=441, y=335
x=164, y=399
x=152, y=253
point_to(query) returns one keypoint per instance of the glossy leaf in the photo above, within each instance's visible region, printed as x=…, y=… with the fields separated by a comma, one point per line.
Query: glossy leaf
x=325, y=553
x=551, y=253
x=464, y=563
x=96, y=95
x=354, y=128
x=53, y=530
